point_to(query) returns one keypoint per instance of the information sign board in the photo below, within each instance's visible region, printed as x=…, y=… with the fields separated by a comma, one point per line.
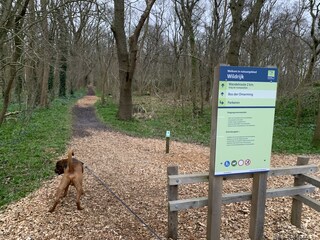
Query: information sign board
x=245, y=118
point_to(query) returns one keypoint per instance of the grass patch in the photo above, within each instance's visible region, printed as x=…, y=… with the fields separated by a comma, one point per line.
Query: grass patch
x=184, y=127
x=176, y=120
x=27, y=146
x=287, y=136
x=291, y=139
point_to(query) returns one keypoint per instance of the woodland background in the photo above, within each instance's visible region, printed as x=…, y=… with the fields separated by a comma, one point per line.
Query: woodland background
x=166, y=49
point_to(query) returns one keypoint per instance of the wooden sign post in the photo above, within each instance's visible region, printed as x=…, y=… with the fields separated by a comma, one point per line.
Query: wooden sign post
x=215, y=182
x=241, y=138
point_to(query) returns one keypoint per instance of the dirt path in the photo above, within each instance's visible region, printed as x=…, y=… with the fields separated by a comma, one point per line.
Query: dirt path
x=135, y=169
x=84, y=118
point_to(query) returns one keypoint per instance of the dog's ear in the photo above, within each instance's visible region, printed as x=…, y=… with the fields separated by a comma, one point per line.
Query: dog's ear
x=59, y=167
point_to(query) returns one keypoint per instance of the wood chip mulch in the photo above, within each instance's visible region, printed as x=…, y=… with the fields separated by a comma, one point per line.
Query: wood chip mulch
x=135, y=170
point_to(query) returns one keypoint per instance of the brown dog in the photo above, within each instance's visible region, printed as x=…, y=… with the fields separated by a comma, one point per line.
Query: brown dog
x=72, y=170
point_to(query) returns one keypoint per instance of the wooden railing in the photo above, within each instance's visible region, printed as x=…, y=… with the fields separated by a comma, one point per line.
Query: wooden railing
x=300, y=172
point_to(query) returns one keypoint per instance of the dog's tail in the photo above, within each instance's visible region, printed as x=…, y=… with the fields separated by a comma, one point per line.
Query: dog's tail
x=70, y=165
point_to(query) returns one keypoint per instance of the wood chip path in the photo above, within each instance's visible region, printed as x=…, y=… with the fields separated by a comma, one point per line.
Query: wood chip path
x=135, y=169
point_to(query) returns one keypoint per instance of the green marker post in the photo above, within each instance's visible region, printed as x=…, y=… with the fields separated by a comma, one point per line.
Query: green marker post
x=167, y=141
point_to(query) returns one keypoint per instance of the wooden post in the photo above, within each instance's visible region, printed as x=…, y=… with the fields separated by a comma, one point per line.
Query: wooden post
x=215, y=182
x=214, y=207
x=172, y=195
x=167, y=144
x=296, y=209
x=258, y=202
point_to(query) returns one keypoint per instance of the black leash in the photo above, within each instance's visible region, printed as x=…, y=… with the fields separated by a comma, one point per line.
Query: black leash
x=123, y=203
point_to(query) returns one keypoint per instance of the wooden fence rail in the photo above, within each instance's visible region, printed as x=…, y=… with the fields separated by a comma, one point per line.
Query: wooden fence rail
x=204, y=177
x=298, y=191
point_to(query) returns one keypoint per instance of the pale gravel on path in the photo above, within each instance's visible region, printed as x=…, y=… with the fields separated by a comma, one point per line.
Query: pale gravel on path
x=135, y=169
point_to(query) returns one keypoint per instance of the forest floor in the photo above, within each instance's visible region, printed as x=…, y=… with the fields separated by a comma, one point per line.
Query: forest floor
x=135, y=169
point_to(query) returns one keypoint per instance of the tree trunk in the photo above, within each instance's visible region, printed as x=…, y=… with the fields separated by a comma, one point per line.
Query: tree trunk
x=63, y=77
x=254, y=50
x=63, y=47
x=45, y=62
x=125, y=101
x=217, y=40
x=316, y=135
x=44, y=84
x=240, y=27
x=185, y=13
x=18, y=21
x=314, y=55
x=12, y=76
x=127, y=60
x=194, y=77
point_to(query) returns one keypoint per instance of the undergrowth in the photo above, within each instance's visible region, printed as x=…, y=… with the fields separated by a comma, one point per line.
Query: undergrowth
x=288, y=137
x=28, y=144
x=160, y=118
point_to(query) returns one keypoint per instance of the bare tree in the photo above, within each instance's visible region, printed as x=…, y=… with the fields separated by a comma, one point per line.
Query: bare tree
x=313, y=43
x=149, y=74
x=17, y=52
x=185, y=10
x=46, y=55
x=316, y=134
x=315, y=50
x=240, y=26
x=104, y=46
x=127, y=54
x=314, y=46
x=216, y=44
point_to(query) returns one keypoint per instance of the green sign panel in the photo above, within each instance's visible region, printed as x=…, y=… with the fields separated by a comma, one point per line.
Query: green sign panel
x=246, y=106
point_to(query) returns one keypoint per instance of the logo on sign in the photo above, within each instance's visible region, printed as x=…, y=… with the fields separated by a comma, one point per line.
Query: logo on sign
x=271, y=74
x=227, y=163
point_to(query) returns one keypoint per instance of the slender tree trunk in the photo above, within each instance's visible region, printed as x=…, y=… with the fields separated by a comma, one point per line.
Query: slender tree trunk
x=18, y=22
x=254, y=43
x=63, y=76
x=217, y=40
x=12, y=76
x=315, y=51
x=45, y=62
x=194, y=77
x=316, y=134
x=51, y=82
x=308, y=76
x=185, y=12
x=63, y=64
x=32, y=66
x=44, y=84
